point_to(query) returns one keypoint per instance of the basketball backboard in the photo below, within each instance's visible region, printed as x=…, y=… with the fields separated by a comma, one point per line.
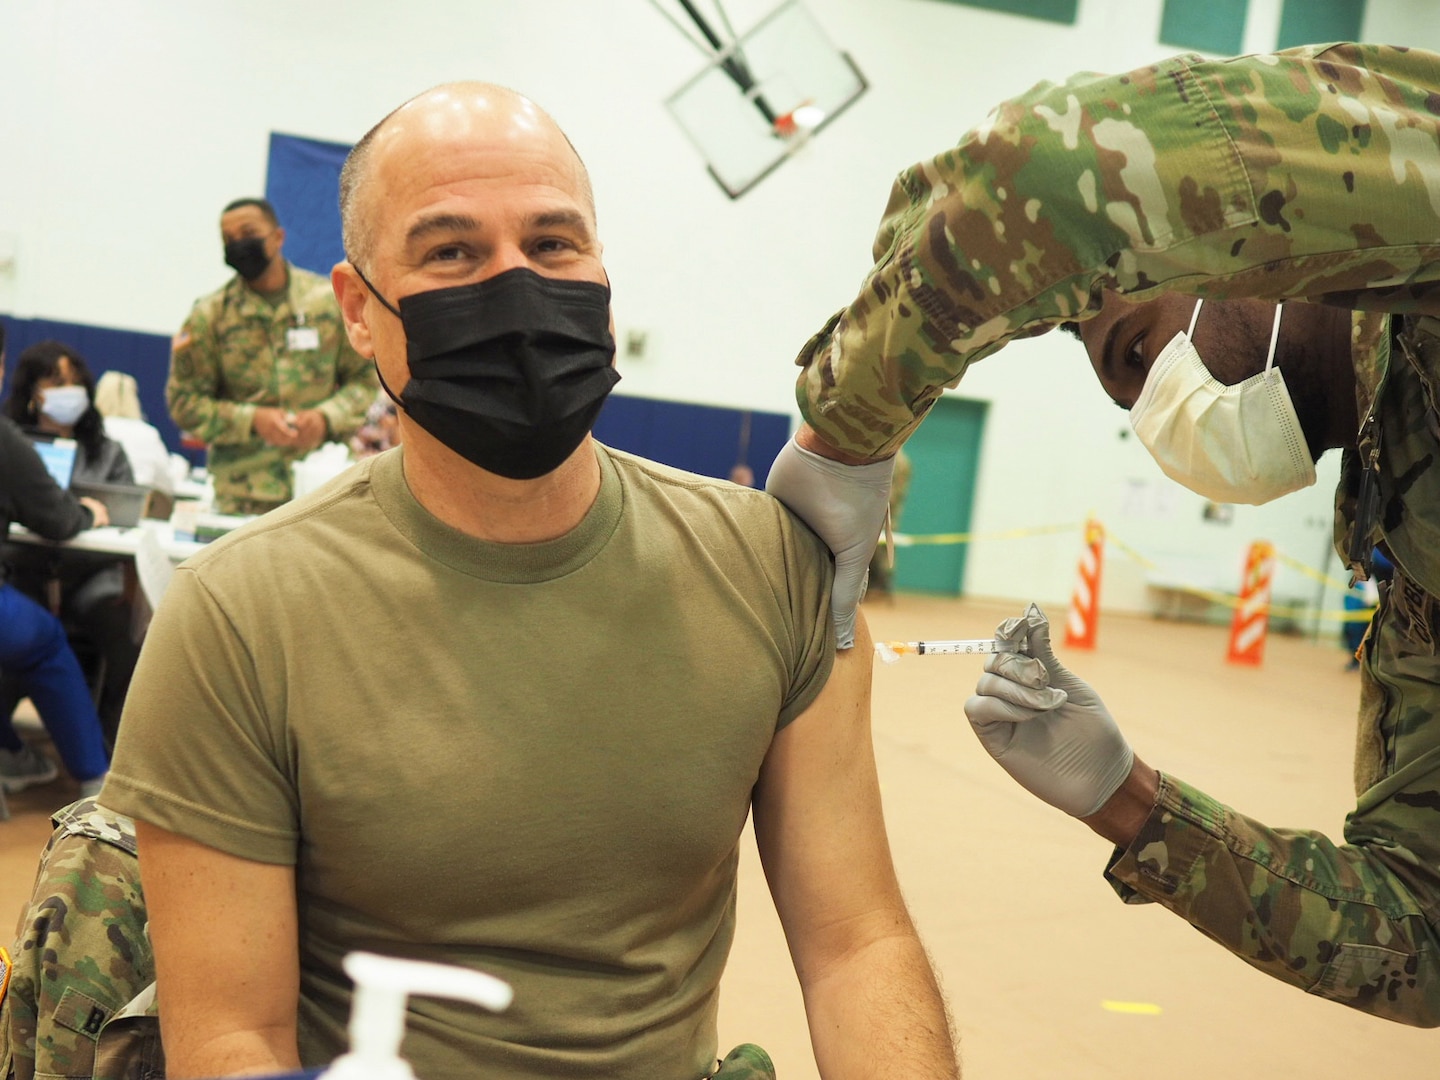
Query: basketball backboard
x=764, y=95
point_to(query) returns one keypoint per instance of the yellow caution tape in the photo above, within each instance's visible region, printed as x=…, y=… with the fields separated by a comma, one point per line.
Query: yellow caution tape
x=1128, y=550
x=1225, y=599
x=1278, y=610
x=1314, y=575
x=1283, y=611
x=917, y=540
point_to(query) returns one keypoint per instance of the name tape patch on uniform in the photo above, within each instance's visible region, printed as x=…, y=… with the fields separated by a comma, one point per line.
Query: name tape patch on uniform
x=302, y=339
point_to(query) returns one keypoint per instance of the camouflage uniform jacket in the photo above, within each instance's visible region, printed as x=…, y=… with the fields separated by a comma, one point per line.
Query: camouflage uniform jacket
x=81, y=1000
x=237, y=352
x=1309, y=173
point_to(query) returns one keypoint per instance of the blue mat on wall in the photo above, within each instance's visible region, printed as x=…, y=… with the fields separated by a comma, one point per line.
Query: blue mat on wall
x=700, y=438
x=303, y=183
x=145, y=356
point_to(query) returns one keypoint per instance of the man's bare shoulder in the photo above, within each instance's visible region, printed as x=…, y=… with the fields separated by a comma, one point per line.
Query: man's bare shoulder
x=733, y=518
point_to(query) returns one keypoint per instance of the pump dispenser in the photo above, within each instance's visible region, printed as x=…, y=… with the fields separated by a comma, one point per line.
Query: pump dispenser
x=383, y=984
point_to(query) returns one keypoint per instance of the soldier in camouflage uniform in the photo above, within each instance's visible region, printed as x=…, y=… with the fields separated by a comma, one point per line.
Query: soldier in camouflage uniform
x=262, y=370
x=81, y=1000
x=1314, y=175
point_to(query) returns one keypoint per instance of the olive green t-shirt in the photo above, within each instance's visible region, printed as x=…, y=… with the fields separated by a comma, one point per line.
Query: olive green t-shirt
x=534, y=760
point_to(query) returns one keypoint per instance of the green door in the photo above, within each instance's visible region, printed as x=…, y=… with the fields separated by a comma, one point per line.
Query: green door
x=944, y=455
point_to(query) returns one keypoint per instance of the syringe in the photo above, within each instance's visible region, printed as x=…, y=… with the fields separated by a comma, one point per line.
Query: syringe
x=891, y=651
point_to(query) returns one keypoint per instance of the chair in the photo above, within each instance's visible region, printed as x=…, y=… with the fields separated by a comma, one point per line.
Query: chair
x=153, y=568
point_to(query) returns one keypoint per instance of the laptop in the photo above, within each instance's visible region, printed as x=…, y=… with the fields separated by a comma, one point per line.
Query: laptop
x=124, y=502
x=58, y=456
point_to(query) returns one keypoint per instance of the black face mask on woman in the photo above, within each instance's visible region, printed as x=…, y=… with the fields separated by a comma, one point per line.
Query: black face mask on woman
x=510, y=372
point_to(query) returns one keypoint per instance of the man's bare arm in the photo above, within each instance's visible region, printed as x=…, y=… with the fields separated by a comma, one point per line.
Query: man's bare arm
x=871, y=998
x=227, y=963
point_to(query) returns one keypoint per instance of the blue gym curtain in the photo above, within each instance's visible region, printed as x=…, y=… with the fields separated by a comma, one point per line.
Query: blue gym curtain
x=303, y=183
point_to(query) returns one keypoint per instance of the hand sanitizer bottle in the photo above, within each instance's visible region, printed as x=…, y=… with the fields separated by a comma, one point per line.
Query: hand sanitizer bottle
x=383, y=984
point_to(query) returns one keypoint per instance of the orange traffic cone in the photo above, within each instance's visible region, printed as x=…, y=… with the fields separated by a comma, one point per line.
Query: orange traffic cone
x=1252, y=614
x=1083, y=620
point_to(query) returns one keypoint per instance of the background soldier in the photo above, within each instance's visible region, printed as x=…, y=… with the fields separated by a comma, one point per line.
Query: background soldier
x=262, y=371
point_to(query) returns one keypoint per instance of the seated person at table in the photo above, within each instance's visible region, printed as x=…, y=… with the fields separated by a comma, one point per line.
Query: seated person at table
x=33, y=649
x=52, y=393
x=117, y=399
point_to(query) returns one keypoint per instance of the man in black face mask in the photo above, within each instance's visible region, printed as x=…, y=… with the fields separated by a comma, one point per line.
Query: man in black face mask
x=262, y=370
x=504, y=697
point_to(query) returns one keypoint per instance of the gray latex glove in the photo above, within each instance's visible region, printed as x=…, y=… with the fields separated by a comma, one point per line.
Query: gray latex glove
x=845, y=505
x=1046, y=727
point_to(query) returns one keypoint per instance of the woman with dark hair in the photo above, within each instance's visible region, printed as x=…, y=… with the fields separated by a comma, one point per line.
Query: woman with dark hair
x=52, y=393
x=33, y=649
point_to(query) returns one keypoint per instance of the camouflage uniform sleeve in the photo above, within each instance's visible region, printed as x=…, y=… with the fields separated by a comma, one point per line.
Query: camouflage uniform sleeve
x=196, y=382
x=78, y=1003
x=355, y=387
x=1307, y=173
x=1343, y=922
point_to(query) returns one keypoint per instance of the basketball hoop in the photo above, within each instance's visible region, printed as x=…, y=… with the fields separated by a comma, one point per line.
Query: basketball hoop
x=800, y=121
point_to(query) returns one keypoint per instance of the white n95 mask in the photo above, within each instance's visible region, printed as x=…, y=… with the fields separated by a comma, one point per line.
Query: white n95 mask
x=1232, y=444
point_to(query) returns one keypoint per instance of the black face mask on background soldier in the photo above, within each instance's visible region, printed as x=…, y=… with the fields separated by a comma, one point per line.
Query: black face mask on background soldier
x=247, y=257
x=510, y=372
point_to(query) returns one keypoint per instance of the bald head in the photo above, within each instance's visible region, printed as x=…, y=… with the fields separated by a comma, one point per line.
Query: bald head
x=494, y=120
